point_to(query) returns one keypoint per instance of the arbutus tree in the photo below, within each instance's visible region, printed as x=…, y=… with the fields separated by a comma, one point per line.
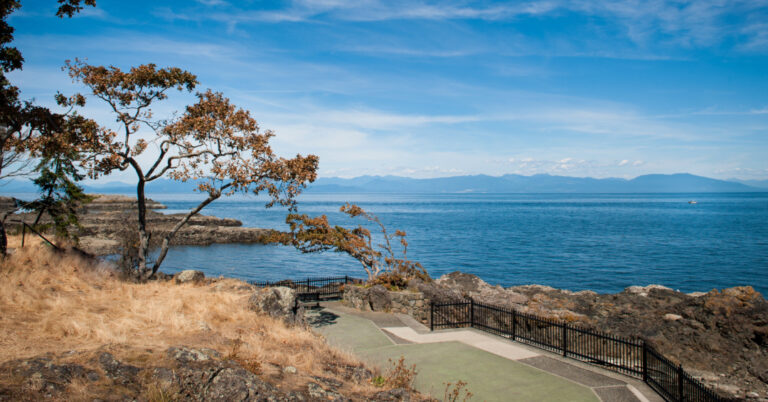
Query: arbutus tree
x=213, y=142
x=316, y=234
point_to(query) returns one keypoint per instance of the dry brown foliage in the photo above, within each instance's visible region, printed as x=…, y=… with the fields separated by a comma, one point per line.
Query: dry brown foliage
x=54, y=302
x=399, y=375
x=456, y=392
x=214, y=143
x=380, y=261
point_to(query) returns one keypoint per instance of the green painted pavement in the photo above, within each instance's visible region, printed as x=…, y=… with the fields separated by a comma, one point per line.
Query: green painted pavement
x=489, y=377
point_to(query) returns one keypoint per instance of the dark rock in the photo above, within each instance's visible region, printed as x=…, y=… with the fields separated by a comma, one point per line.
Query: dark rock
x=279, y=302
x=759, y=368
x=237, y=384
x=117, y=371
x=318, y=392
x=761, y=335
x=397, y=394
x=165, y=377
x=42, y=376
x=378, y=298
x=360, y=374
x=93, y=376
x=184, y=354
x=193, y=375
x=330, y=382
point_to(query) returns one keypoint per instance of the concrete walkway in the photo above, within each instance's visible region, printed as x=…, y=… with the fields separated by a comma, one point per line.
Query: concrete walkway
x=494, y=368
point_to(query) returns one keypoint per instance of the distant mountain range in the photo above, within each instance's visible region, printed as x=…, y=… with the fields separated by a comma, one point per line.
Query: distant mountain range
x=511, y=183
x=541, y=183
x=754, y=183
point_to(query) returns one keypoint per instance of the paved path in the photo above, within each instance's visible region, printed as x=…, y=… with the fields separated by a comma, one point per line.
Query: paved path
x=494, y=368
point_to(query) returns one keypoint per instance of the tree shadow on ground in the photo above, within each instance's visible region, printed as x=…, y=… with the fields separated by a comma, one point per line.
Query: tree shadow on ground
x=322, y=319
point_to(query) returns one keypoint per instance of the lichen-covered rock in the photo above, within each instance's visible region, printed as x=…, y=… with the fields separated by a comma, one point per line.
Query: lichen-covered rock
x=279, y=302
x=117, y=371
x=394, y=395
x=41, y=376
x=318, y=392
x=185, y=355
x=474, y=287
x=189, y=276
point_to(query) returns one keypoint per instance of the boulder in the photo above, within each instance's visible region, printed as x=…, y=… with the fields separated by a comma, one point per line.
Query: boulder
x=378, y=298
x=672, y=317
x=644, y=290
x=189, y=276
x=279, y=302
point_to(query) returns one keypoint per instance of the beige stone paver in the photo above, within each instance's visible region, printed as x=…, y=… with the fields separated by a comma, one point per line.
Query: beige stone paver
x=499, y=347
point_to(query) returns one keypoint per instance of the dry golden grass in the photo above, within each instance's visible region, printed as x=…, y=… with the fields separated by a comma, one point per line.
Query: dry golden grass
x=55, y=302
x=14, y=241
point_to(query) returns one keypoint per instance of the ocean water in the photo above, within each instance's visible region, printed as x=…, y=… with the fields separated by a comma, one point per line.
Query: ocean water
x=601, y=242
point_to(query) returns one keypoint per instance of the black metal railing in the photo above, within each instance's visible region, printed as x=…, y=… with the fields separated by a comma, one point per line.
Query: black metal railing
x=314, y=289
x=629, y=356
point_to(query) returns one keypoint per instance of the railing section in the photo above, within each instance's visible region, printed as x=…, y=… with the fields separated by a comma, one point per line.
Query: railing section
x=624, y=355
x=314, y=288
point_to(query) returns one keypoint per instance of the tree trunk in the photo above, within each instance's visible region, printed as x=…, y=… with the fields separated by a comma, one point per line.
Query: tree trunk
x=143, y=238
x=179, y=225
x=3, y=240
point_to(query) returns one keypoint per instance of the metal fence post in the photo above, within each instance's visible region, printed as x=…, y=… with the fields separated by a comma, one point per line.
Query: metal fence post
x=645, y=362
x=23, y=233
x=431, y=315
x=565, y=340
x=471, y=312
x=514, y=324
x=680, y=395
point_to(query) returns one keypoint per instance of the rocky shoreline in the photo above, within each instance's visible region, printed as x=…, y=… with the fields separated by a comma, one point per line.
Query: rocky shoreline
x=720, y=337
x=105, y=220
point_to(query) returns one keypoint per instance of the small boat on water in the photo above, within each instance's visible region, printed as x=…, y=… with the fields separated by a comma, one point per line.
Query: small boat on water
x=692, y=202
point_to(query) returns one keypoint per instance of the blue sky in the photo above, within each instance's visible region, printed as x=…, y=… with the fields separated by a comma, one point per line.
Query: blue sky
x=428, y=89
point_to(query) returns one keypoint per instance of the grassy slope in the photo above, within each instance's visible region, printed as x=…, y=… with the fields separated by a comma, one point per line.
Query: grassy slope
x=53, y=303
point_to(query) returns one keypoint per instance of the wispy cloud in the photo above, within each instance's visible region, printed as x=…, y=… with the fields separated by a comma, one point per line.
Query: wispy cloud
x=648, y=23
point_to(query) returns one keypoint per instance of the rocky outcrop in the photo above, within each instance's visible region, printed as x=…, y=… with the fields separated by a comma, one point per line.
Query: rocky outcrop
x=279, y=302
x=472, y=286
x=111, y=202
x=720, y=336
x=109, y=218
x=181, y=373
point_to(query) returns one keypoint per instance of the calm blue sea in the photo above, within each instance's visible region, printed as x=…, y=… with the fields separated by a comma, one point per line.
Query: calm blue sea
x=602, y=242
